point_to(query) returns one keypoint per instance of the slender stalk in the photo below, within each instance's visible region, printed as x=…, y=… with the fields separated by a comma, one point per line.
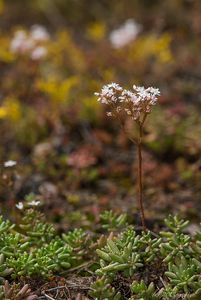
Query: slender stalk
x=140, y=186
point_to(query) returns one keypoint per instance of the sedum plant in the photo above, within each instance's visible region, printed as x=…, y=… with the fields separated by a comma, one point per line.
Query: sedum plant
x=142, y=291
x=54, y=256
x=175, y=243
x=149, y=247
x=185, y=274
x=5, y=225
x=22, y=264
x=128, y=254
x=197, y=245
x=75, y=238
x=35, y=228
x=11, y=241
x=135, y=104
x=102, y=290
x=4, y=270
x=112, y=221
x=122, y=255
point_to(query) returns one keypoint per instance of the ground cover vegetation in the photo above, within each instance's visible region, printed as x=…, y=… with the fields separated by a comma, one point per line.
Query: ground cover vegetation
x=119, y=264
x=95, y=195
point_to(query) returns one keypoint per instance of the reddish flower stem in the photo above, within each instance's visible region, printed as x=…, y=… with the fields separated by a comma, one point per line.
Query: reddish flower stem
x=140, y=186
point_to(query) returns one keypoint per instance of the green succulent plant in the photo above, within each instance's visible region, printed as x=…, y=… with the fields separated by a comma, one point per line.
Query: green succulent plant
x=9, y=242
x=149, y=247
x=196, y=246
x=34, y=249
x=169, y=292
x=112, y=221
x=142, y=291
x=120, y=255
x=184, y=274
x=175, y=242
x=102, y=290
x=22, y=265
x=4, y=270
x=75, y=238
x=176, y=224
x=58, y=256
x=5, y=225
x=35, y=228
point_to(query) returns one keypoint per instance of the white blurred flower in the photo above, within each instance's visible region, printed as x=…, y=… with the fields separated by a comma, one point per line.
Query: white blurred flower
x=30, y=42
x=20, y=205
x=125, y=34
x=38, y=53
x=21, y=43
x=10, y=163
x=34, y=203
x=39, y=33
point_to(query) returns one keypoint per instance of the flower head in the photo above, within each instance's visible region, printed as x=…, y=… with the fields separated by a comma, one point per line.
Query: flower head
x=135, y=104
x=39, y=33
x=38, y=53
x=31, y=43
x=34, y=203
x=21, y=43
x=20, y=205
x=125, y=34
x=110, y=93
x=10, y=163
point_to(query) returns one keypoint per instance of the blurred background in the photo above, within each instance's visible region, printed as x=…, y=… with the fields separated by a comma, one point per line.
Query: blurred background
x=54, y=55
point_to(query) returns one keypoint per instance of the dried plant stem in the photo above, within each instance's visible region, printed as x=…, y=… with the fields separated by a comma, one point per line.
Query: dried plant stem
x=140, y=186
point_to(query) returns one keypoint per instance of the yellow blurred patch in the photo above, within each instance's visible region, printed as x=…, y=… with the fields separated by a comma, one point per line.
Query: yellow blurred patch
x=1, y=6
x=96, y=31
x=3, y=112
x=58, y=90
x=5, y=54
x=90, y=108
x=11, y=110
x=64, y=52
x=151, y=45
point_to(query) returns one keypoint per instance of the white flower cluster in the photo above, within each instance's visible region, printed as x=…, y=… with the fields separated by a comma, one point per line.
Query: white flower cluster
x=10, y=163
x=20, y=205
x=30, y=43
x=110, y=93
x=125, y=34
x=136, y=103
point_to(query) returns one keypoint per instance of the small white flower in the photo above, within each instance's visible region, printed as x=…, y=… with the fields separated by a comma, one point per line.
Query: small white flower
x=39, y=33
x=20, y=205
x=34, y=203
x=115, y=86
x=30, y=42
x=38, y=53
x=110, y=93
x=10, y=163
x=109, y=114
x=125, y=34
x=18, y=39
x=154, y=91
x=21, y=43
